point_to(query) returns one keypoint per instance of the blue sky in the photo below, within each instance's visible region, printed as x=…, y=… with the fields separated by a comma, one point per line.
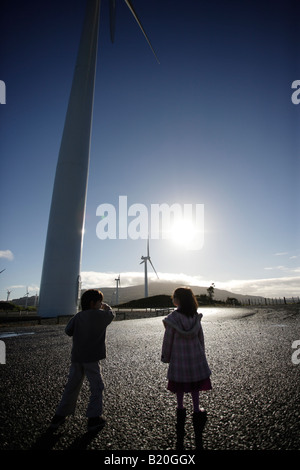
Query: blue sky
x=212, y=124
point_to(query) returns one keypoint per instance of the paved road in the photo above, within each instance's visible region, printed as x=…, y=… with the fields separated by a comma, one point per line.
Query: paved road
x=254, y=404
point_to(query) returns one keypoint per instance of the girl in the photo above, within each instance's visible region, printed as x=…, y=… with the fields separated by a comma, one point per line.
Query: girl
x=188, y=371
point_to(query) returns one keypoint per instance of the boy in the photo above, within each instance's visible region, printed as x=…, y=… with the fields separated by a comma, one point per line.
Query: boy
x=88, y=329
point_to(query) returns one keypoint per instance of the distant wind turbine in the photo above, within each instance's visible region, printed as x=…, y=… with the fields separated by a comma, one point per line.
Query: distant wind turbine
x=145, y=259
x=26, y=295
x=118, y=281
x=60, y=281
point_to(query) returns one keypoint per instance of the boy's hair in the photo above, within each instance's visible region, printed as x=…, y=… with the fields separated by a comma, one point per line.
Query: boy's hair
x=187, y=300
x=91, y=295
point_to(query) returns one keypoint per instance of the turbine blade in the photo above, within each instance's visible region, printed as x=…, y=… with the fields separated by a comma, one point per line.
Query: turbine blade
x=112, y=15
x=129, y=4
x=153, y=268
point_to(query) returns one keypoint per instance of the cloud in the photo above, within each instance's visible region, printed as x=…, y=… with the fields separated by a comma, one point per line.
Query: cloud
x=284, y=269
x=271, y=287
x=279, y=268
x=98, y=279
x=33, y=289
x=7, y=254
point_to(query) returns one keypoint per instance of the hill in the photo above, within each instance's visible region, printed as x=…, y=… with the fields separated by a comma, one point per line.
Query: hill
x=127, y=294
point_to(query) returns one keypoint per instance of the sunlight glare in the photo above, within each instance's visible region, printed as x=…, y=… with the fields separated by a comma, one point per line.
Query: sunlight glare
x=183, y=232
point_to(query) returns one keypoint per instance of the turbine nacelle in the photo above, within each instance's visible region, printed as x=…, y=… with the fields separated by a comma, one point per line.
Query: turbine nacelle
x=144, y=260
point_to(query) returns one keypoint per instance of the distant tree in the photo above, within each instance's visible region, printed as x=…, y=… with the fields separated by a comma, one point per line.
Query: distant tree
x=232, y=301
x=211, y=292
x=203, y=299
x=155, y=301
x=6, y=305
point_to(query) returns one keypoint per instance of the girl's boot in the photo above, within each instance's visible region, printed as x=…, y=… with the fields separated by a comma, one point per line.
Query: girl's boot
x=181, y=415
x=199, y=420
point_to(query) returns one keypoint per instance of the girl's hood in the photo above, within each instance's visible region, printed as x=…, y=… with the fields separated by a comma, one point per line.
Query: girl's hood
x=187, y=326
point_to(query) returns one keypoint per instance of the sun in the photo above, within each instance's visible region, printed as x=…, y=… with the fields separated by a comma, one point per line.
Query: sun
x=183, y=232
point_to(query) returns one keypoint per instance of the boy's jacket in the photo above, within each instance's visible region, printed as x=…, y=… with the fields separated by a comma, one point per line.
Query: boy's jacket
x=88, y=329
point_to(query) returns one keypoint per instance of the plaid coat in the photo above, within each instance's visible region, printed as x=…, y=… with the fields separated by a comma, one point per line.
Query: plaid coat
x=183, y=348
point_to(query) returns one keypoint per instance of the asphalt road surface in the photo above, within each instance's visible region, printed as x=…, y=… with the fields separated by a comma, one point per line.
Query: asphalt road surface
x=254, y=404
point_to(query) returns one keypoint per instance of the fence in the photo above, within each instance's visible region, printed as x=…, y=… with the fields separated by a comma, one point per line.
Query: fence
x=270, y=301
x=121, y=314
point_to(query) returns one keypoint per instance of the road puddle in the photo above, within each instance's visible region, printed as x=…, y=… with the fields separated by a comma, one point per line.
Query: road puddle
x=10, y=334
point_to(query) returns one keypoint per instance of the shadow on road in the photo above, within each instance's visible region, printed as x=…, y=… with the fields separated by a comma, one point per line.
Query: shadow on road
x=47, y=440
x=50, y=437
x=82, y=442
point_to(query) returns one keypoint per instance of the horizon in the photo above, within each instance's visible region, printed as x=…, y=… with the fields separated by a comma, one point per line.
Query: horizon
x=136, y=280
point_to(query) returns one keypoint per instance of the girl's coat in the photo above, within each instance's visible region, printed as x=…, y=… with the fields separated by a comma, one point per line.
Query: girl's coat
x=183, y=348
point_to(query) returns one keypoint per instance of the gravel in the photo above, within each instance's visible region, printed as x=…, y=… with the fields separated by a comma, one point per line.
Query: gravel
x=254, y=404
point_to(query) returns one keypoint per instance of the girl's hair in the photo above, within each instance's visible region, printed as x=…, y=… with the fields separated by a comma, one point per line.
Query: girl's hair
x=187, y=301
x=91, y=295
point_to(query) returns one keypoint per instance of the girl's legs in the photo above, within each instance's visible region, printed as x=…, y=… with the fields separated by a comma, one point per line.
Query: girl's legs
x=195, y=398
x=199, y=419
x=180, y=422
x=180, y=400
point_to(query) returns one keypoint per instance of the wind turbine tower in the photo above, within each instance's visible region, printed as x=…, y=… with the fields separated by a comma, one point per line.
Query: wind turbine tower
x=60, y=282
x=26, y=295
x=118, y=281
x=8, y=294
x=145, y=259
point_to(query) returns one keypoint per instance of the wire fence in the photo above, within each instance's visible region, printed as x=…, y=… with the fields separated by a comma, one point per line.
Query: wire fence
x=136, y=313
x=270, y=301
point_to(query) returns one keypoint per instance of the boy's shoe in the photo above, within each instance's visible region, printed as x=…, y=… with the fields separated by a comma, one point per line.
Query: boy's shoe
x=57, y=421
x=96, y=424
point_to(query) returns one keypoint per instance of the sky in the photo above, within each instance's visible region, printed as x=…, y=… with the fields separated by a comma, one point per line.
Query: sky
x=212, y=125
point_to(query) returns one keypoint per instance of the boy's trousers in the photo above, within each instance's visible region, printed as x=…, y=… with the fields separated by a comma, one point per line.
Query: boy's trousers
x=76, y=375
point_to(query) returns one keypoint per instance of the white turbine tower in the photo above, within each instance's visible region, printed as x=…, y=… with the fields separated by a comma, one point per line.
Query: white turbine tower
x=60, y=282
x=145, y=259
x=118, y=281
x=26, y=295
